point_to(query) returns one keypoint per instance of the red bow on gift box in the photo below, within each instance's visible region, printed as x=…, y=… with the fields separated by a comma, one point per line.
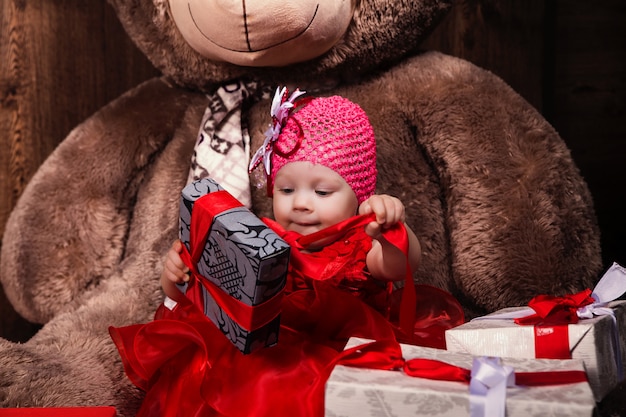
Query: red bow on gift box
x=550, y=310
x=554, y=314
x=551, y=318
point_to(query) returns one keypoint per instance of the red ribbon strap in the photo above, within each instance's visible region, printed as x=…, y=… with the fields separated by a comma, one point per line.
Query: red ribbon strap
x=542, y=379
x=552, y=342
x=387, y=355
x=202, y=216
x=397, y=236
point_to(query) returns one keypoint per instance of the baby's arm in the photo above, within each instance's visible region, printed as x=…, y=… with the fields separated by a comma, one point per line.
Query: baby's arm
x=384, y=260
x=174, y=272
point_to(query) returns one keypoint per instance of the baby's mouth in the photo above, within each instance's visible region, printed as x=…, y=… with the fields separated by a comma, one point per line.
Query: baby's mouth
x=305, y=227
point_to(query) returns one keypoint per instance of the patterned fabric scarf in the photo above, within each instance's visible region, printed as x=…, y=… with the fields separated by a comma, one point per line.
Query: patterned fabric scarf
x=222, y=150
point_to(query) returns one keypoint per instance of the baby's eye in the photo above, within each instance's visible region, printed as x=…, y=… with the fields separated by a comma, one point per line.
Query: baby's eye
x=286, y=190
x=323, y=193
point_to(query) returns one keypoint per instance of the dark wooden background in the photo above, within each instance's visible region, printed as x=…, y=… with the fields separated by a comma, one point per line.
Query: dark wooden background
x=60, y=60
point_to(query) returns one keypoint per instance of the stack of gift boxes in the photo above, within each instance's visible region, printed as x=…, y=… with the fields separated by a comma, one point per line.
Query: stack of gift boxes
x=590, y=340
x=597, y=338
x=595, y=345
x=243, y=258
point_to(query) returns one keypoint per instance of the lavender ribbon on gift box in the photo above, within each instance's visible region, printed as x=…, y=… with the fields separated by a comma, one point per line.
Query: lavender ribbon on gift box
x=490, y=379
x=487, y=387
x=611, y=286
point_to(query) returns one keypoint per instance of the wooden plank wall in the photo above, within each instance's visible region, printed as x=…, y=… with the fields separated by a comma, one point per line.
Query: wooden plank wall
x=586, y=102
x=505, y=37
x=61, y=60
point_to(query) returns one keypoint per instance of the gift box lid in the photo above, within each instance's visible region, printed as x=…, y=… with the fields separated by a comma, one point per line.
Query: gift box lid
x=242, y=255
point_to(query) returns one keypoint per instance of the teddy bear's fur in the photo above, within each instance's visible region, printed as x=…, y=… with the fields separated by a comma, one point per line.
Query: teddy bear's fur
x=490, y=188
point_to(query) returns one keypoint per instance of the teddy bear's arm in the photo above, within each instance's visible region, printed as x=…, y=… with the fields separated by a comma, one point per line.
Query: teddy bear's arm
x=516, y=217
x=70, y=226
x=519, y=215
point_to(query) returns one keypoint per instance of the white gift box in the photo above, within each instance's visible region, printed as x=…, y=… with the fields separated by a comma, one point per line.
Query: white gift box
x=590, y=340
x=360, y=392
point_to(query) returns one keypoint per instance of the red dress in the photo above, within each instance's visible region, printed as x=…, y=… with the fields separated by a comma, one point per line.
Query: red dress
x=188, y=368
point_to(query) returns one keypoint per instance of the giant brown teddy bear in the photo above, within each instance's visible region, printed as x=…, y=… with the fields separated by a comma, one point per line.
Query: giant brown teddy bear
x=490, y=188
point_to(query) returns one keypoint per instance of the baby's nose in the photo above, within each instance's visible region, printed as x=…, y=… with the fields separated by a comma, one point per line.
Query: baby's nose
x=302, y=201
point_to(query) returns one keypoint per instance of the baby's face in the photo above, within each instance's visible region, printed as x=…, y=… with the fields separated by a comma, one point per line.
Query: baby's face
x=308, y=197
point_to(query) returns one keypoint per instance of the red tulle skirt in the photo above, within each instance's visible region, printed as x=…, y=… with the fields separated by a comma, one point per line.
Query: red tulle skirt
x=188, y=368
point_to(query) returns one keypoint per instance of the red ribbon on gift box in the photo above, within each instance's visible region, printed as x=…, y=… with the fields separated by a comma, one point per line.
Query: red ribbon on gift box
x=387, y=355
x=204, y=210
x=551, y=319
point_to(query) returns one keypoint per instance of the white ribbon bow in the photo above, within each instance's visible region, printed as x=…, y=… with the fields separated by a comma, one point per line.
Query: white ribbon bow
x=488, y=384
x=280, y=113
x=611, y=286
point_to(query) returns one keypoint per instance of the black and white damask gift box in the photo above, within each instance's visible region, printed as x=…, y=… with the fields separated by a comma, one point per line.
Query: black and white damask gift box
x=240, y=265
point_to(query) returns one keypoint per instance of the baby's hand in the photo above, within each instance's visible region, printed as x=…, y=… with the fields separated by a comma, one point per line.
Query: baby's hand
x=174, y=269
x=388, y=210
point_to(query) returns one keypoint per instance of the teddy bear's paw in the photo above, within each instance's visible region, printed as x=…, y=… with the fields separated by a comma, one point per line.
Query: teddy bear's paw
x=30, y=377
x=49, y=376
x=16, y=362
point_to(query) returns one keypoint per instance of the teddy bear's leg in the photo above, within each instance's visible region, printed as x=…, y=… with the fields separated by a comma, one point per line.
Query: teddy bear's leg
x=57, y=376
x=72, y=361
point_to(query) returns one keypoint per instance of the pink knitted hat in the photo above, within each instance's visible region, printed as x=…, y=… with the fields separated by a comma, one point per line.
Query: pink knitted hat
x=329, y=131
